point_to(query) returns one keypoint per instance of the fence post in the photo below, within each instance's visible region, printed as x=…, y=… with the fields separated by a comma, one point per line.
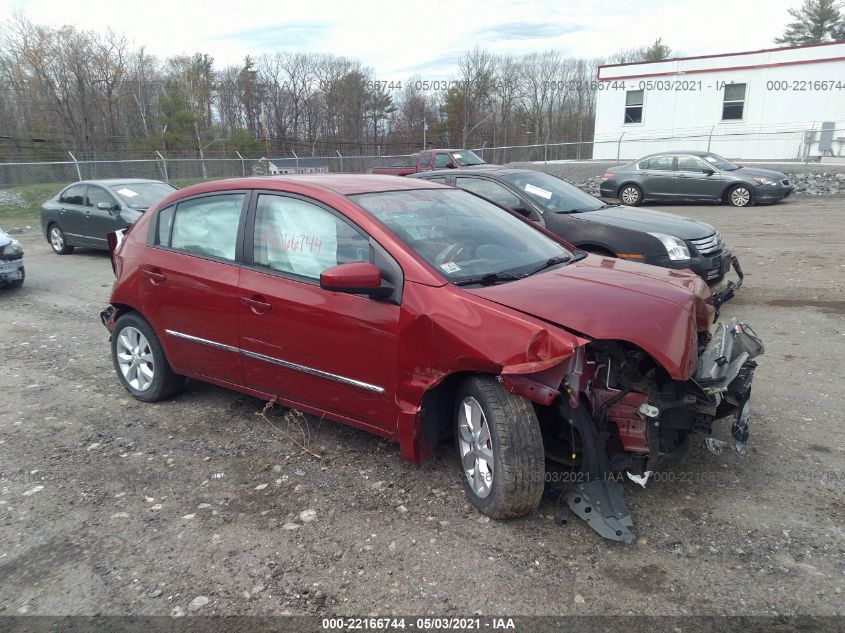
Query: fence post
x=710, y=136
x=341, y=160
x=243, y=167
x=76, y=164
x=297, y=160
x=164, y=164
x=619, y=148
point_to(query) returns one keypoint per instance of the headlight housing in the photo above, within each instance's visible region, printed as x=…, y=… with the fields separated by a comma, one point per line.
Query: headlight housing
x=675, y=247
x=13, y=248
x=765, y=181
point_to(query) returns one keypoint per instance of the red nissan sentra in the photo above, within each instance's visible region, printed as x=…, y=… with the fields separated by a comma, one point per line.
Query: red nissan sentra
x=423, y=313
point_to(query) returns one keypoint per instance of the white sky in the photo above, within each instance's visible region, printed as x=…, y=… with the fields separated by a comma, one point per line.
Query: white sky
x=399, y=38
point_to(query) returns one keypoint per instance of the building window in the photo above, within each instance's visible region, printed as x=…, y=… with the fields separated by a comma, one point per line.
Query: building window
x=634, y=106
x=733, y=106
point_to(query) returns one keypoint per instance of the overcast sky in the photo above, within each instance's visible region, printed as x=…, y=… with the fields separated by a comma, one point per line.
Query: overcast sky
x=400, y=38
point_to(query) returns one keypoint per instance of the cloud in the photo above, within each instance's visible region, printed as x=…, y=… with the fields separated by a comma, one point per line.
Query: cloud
x=296, y=34
x=523, y=31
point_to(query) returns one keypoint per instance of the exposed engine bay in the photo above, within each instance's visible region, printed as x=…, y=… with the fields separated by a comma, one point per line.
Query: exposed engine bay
x=627, y=418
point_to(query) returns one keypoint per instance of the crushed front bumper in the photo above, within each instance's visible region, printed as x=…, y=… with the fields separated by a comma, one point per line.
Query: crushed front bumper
x=11, y=270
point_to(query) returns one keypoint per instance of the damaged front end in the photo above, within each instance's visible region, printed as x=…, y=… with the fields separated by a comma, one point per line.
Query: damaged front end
x=624, y=416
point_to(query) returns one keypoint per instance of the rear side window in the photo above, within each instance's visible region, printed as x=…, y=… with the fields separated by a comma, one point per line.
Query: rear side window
x=660, y=163
x=74, y=195
x=207, y=226
x=299, y=238
x=490, y=190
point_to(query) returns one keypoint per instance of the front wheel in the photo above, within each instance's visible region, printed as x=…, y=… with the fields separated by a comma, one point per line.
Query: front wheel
x=631, y=195
x=140, y=362
x=740, y=196
x=58, y=242
x=500, y=448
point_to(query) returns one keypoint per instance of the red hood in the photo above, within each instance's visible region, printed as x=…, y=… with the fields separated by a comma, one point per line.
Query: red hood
x=658, y=309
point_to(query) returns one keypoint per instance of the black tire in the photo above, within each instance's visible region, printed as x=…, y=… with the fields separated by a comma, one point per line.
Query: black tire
x=630, y=195
x=740, y=196
x=164, y=382
x=518, y=470
x=57, y=240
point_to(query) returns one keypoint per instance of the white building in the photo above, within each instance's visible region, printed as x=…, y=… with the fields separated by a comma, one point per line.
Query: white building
x=782, y=103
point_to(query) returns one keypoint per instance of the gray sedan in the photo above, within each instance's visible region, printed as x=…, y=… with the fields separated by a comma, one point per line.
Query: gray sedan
x=84, y=213
x=693, y=176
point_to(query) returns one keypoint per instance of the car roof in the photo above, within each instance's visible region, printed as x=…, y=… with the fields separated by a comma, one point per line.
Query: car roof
x=111, y=182
x=343, y=184
x=687, y=152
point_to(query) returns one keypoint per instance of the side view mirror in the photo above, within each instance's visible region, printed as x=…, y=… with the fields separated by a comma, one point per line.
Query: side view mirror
x=106, y=206
x=708, y=172
x=357, y=278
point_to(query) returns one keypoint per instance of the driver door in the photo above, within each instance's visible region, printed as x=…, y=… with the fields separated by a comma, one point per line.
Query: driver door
x=332, y=351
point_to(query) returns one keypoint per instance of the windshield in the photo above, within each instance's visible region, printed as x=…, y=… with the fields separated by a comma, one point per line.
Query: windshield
x=463, y=236
x=720, y=163
x=466, y=158
x=142, y=195
x=551, y=193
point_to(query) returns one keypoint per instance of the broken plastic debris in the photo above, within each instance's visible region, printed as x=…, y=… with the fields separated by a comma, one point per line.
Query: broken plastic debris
x=639, y=479
x=714, y=445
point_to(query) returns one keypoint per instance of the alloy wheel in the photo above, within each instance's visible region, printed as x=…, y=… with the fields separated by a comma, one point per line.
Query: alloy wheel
x=476, y=447
x=740, y=197
x=57, y=239
x=135, y=358
x=630, y=195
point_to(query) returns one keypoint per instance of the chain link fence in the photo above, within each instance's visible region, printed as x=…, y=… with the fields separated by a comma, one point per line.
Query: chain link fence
x=776, y=145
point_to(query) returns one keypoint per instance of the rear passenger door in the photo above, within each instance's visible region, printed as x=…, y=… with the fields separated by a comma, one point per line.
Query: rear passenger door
x=72, y=214
x=659, y=178
x=189, y=287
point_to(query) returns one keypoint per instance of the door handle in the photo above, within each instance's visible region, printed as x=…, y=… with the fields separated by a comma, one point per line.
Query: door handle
x=257, y=304
x=154, y=275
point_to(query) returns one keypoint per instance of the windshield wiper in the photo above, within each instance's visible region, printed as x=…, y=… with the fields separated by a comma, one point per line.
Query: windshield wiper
x=552, y=261
x=487, y=280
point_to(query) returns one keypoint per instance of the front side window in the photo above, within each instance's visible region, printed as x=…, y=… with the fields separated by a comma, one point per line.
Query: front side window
x=208, y=225
x=634, y=106
x=299, y=238
x=733, y=106
x=96, y=195
x=441, y=160
x=74, y=195
x=465, y=238
x=490, y=190
x=691, y=163
x=720, y=163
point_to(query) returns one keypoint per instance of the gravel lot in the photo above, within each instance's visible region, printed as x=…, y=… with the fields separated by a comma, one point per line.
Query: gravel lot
x=198, y=505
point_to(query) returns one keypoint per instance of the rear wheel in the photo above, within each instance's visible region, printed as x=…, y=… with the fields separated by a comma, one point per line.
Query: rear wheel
x=740, y=196
x=631, y=195
x=500, y=448
x=58, y=241
x=140, y=362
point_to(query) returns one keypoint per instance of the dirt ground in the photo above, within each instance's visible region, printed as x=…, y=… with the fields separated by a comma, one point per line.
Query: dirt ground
x=113, y=506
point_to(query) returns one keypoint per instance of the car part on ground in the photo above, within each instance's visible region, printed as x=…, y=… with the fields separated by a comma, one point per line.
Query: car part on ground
x=486, y=331
x=693, y=175
x=12, y=271
x=642, y=235
x=85, y=212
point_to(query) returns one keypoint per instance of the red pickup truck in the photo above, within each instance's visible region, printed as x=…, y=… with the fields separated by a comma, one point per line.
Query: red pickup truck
x=434, y=159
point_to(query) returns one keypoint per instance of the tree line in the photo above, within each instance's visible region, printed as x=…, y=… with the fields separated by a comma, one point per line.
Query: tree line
x=99, y=96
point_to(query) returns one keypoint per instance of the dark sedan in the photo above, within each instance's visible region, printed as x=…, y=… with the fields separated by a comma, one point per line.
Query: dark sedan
x=641, y=235
x=693, y=176
x=82, y=214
